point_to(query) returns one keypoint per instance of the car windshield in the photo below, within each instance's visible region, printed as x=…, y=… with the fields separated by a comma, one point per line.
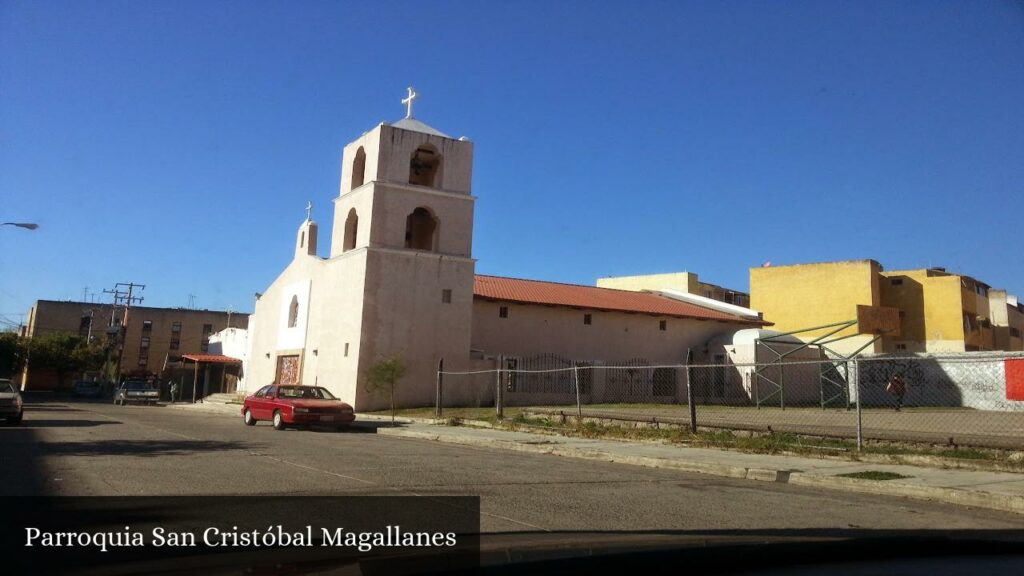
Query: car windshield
x=305, y=393
x=724, y=275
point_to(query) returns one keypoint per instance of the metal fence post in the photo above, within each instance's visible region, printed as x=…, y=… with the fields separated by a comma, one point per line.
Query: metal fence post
x=579, y=407
x=860, y=423
x=440, y=381
x=782, y=385
x=689, y=391
x=499, y=409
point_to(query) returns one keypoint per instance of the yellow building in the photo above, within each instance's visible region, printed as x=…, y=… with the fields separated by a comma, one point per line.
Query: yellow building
x=803, y=296
x=939, y=311
x=687, y=282
x=1007, y=320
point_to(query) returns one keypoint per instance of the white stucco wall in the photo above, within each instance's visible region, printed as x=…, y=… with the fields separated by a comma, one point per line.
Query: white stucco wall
x=293, y=337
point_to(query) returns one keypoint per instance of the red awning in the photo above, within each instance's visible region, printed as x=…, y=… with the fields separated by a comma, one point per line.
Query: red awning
x=211, y=358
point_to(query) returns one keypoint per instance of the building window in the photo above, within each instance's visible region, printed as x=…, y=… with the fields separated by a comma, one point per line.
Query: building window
x=204, y=347
x=901, y=347
x=207, y=328
x=446, y=296
x=176, y=327
x=147, y=325
x=587, y=319
x=970, y=323
x=663, y=325
x=421, y=229
x=896, y=281
x=1015, y=332
x=358, y=168
x=425, y=167
x=144, y=343
x=503, y=312
x=175, y=344
x=293, y=312
x=143, y=361
x=346, y=349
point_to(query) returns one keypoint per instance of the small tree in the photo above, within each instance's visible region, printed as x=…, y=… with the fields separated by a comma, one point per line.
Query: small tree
x=64, y=354
x=383, y=377
x=12, y=353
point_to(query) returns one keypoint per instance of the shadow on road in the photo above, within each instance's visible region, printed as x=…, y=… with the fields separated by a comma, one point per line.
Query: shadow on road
x=144, y=448
x=65, y=423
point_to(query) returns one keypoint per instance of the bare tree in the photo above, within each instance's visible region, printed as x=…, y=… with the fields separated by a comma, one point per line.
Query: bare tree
x=383, y=377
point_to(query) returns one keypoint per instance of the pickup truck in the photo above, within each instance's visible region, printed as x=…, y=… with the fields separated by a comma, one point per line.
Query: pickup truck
x=136, y=391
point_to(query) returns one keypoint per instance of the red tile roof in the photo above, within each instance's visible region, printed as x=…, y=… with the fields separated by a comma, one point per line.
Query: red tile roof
x=213, y=358
x=576, y=296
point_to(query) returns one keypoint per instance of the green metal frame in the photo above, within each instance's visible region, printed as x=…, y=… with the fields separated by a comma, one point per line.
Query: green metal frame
x=832, y=376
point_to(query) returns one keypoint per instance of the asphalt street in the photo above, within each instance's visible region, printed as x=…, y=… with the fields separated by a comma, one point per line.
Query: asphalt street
x=93, y=448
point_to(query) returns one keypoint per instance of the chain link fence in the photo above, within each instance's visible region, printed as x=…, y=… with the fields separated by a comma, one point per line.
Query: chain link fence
x=961, y=399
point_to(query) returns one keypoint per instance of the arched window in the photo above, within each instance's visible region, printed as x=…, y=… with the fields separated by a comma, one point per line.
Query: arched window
x=421, y=230
x=425, y=167
x=351, y=228
x=293, y=312
x=358, y=168
x=302, y=239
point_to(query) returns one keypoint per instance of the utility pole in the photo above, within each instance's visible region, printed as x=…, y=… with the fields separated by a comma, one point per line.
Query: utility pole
x=124, y=296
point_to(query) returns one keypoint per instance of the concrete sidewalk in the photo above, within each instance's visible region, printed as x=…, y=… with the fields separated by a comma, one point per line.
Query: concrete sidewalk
x=982, y=489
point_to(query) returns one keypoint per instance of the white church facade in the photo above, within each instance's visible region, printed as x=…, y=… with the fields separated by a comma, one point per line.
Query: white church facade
x=400, y=281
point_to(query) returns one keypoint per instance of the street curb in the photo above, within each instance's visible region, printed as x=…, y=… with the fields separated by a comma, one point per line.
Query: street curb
x=919, y=460
x=959, y=496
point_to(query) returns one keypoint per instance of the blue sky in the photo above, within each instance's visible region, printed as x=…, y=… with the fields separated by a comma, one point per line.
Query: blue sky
x=175, y=144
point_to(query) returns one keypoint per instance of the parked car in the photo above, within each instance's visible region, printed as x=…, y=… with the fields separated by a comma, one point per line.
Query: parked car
x=136, y=391
x=296, y=405
x=87, y=389
x=11, y=406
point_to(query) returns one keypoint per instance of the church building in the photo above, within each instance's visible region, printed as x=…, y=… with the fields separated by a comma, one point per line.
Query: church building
x=400, y=281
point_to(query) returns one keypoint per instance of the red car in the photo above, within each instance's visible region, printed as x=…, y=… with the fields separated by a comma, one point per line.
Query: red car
x=296, y=405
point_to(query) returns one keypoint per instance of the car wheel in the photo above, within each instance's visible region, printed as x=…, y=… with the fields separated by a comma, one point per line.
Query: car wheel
x=16, y=419
x=278, y=420
x=249, y=420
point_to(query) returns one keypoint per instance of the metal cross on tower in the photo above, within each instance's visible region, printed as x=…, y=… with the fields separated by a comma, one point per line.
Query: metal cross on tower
x=408, y=101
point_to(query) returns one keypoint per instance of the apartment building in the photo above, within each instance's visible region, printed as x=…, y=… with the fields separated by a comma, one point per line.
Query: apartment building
x=939, y=311
x=688, y=282
x=152, y=336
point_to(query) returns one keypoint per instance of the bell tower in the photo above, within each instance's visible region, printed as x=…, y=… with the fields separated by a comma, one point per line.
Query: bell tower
x=305, y=239
x=403, y=226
